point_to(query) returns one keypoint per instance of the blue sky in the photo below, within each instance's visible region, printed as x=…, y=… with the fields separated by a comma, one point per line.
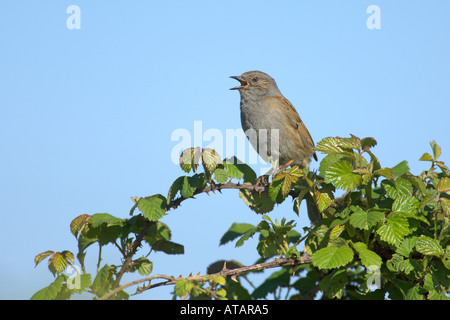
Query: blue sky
x=87, y=114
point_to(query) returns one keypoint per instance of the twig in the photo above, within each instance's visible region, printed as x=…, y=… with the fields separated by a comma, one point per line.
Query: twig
x=233, y=273
x=173, y=205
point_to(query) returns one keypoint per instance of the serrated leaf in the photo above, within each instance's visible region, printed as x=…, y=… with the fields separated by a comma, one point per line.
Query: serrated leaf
x=368, y=142
x=436, y=150
x=188, y=188
x=175, y=188
x=328, y=161
x=342, y=175
x=182, y=287
x=238, y=170
x=153, y=207
x=220, y=280
x=329, y=145
x=260, y=203
x=103, y=281
x=336, y=231
x=444, y=185
x=58, y=262
x=277, y=279
x=350, y=143
x=368, y=257
x=333, y=284
x=275, y=191
x=145, y=266
x=400, y=169
x=221, y=176
x=400, y=187
x=406, y=247
x=210, y=159
x=41, y=256
x=332, y=257
x=323, y=199
x=429, y=246
x=426, y=157
x=236, y=230
x=406, y=204
x=50, y=292
x=168, y=247
x=79, y=225
x=190, y=159
x=395, y=229
x=366, y=219
x=385, y=172
x=445, y=203
x=263, y=225
x=101, y=218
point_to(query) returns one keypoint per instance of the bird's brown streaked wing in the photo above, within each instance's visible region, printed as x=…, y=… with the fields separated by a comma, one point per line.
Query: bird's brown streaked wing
x=296, y=121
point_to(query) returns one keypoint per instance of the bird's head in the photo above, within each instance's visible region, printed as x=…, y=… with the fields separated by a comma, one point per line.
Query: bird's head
x=256, y=83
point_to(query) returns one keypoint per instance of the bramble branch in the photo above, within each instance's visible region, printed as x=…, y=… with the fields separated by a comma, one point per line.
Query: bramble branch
x=233, y=273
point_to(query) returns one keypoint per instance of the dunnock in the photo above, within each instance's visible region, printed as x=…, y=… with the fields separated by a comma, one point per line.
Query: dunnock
x=263, y=107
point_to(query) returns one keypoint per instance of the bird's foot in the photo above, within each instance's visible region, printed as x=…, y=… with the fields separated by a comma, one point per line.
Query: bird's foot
x=263, y=182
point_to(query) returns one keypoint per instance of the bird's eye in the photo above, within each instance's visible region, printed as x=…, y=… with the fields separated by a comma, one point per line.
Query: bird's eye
x=255, y=79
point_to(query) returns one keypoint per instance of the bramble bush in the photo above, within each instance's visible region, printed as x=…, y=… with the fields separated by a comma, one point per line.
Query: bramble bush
x=384, y=237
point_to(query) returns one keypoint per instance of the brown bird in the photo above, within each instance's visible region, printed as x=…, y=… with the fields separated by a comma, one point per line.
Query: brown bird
x=284, y=139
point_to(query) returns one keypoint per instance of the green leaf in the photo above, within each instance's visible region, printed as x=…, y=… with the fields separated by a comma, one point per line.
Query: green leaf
x=221, y=176
x=153, y=207
x=188, y=188
x=157, y=231
x=323, y=198
x=182, y=287
x=174, y=188
x=429, y=246
x=406, y=247
x=236, y=230
x=59, y=261
x=332, y=257
x=79, y=225
x=103, y=281
x=414, y=293
x=398, y=188
x=385, y=172
x=366, y=219
x=436, y=150
x=260, y=203
x=275, y=191
x=210, y=159
x=368, y=257
x=104, y=218
x=400, y=169
x=395, y=229
x=237, y=169
x=406, y=204
x=168, y=247
x=190, y=159
x=330, y=145
x=426, y=157
x=277, y=279
x=263, y=225
x=333, y=284
x=445, y=203
x=145, y=266
x=368, y=142
x=50, y=292
x=329, y=160
x=444, y=185
x=341, y=174
x=41, y=256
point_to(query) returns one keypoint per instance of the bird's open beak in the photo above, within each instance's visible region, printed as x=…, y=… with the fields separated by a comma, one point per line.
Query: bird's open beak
x=244, y=84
